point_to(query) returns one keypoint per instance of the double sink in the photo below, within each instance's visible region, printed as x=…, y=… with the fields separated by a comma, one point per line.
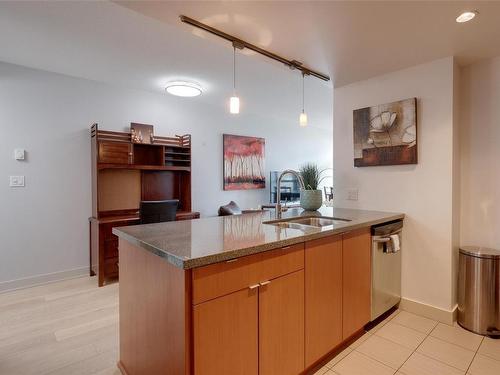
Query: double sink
x=307, y=222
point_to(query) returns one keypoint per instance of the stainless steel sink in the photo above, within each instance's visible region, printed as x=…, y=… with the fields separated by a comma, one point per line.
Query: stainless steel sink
x=318, y=221
x=286, y=224
x=310, y=221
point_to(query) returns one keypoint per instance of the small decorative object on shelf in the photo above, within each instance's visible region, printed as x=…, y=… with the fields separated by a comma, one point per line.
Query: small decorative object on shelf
x=141, y=133
x=311, y=198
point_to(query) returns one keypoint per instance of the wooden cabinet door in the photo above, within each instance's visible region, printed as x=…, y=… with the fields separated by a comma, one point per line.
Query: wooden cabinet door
x=226, y=335
x=323, y=297
x=356, y=294
x=115, y=152
x=281, y=325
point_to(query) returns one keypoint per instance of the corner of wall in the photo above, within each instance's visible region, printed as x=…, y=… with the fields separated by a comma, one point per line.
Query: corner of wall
x=456, y=181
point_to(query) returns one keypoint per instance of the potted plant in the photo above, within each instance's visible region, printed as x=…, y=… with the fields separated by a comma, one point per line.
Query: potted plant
x=311, y=198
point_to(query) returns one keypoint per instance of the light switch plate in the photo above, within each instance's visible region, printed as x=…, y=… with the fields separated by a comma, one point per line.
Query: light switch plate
x=16, y=181
x=352, y=194
x=19, y=154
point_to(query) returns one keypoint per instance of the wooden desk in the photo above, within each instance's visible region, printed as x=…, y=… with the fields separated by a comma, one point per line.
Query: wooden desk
x=104, y=244
x=124, y=173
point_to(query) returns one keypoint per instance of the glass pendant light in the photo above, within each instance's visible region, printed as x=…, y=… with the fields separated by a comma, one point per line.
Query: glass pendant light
x=303, y=115
x=234, y=101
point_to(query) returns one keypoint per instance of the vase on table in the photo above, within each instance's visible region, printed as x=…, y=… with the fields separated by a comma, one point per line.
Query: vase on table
x=311, y=200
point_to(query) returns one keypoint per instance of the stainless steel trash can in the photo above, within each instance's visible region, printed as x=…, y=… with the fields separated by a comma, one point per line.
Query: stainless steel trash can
x=479, y=290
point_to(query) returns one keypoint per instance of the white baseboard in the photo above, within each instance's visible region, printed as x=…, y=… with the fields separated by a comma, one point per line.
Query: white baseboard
x=431, y=312
x=7, y=286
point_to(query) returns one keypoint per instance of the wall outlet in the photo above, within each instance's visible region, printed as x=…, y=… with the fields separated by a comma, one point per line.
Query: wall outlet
x=352, y=194
x=16, y=181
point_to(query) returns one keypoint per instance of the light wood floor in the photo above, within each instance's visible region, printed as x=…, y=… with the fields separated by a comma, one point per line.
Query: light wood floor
x=64, y=328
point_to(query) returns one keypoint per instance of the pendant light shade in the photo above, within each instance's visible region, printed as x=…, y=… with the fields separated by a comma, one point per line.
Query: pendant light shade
x=234, y=105
x=234, y=101
x=303, y=119
x=303, y=114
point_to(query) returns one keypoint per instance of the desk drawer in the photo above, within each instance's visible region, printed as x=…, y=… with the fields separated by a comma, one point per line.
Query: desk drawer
x=219, y=279
x=111, y=267
x=107, y=229
x=111, y=248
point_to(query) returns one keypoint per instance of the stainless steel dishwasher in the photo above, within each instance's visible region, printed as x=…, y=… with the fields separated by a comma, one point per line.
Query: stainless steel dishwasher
x=386, y=267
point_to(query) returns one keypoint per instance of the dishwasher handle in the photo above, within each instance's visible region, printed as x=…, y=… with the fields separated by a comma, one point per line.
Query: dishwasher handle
x=382, y=239
x=389, y=244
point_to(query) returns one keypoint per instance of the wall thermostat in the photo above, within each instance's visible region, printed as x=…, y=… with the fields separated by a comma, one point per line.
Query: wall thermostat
x=19, y=154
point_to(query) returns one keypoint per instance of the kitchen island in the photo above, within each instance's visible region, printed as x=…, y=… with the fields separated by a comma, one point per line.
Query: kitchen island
x=243, y=294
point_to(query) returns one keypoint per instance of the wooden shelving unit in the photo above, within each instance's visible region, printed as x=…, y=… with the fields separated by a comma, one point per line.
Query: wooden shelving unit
x=123, y=174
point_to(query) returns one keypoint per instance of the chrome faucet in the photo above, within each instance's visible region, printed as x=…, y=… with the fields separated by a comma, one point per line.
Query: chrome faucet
x=279, y=208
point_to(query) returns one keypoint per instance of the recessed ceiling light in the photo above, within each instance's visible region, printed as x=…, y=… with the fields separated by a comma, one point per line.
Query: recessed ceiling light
x=467, y=16
x=183, y=88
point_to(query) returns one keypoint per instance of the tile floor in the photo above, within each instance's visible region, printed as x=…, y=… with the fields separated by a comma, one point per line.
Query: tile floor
x=71, y=328
x=408, y=344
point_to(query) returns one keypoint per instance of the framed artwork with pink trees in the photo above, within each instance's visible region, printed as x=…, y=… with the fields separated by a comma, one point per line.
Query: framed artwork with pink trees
x=244, y=162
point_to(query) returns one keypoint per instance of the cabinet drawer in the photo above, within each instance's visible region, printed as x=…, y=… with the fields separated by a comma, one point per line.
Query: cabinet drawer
x=115, y=152
x=219, y=279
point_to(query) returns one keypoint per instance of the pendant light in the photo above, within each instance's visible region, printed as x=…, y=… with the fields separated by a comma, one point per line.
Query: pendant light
x=303, y=114
x=234, y=101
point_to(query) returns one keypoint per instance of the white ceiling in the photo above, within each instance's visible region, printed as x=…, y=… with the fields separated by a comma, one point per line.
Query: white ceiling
x=350, y=40
x=105, y=42
x=143, y=44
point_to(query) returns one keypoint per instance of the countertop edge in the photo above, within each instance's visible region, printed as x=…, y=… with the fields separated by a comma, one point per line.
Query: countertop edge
x=245, y=251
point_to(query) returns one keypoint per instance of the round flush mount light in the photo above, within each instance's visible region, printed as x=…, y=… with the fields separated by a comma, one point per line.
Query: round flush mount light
x=467, y=16
x=184, y=89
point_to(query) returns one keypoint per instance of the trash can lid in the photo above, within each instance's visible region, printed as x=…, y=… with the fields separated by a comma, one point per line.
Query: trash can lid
x=480, y=252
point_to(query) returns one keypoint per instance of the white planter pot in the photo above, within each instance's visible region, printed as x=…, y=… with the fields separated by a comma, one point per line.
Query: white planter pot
x=311, y=200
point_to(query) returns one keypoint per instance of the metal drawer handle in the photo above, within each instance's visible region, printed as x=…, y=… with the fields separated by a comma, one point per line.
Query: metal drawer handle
x=255, y=286
x=265, y=283
x=231, y=260
x=286, y=247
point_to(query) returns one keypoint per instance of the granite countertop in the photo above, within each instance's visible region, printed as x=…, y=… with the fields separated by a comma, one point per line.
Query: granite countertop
x=195, y=243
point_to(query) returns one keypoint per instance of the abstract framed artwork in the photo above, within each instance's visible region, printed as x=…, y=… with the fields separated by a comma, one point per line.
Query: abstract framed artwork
x=386, y=134
x=243, y=162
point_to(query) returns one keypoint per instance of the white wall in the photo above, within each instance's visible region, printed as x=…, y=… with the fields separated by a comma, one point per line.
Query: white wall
x=480, y=154
x=44, y=226
x=423, y=191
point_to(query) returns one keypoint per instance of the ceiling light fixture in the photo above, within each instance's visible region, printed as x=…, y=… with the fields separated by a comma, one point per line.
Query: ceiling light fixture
x=467, y=16
x=303, y=114
x=184, y=89
x=234, y=101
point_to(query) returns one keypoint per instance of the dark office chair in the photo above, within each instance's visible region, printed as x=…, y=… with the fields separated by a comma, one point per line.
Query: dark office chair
x=158, y=211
